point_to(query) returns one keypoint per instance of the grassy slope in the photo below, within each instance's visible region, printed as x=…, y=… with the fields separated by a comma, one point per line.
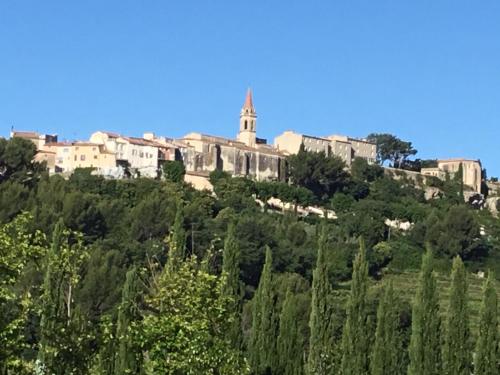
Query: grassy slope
x=405, y=285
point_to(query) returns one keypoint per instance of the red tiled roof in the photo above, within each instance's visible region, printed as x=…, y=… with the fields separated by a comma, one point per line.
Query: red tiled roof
x=58, y=144
x=248, y=100
x=25, y=134
x=451, y=160
x=111, y=134
x=76, y=143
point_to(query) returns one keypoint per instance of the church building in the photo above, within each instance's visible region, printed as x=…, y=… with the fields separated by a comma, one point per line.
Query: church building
x=246, y=155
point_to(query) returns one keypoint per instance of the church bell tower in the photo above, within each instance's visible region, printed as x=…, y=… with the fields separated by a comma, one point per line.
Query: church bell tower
x=248, y=122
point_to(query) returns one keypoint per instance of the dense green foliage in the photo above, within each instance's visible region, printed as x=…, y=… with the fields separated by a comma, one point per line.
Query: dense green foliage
x=457, y=346
x=149, y=276
x=487, y=357
x=290, y=344
x=391, y=148
x=355, y=344
x=233, y=287
x=128, y=360
x=263, y=346
x=387, y=348
x=425, y=345
x=321, y=341
x=174, y=170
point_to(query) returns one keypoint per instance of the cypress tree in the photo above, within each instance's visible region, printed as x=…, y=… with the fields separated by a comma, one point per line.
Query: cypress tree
x=487, y=359
x=232, y=287
x=457, y=350
x=354, y=337
x=289, y=345
x=263, y=334
x=386, y=355
x=177, y=240
x=321, y=340
x=459, y=177
x=425, y=341
x=53, y=311
x=128, y=360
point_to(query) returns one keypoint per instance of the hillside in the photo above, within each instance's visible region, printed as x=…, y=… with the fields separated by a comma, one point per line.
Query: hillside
x=154, y=267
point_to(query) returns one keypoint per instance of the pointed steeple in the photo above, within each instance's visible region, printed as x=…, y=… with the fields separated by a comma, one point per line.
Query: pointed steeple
x=248, y=101
x=248, y=119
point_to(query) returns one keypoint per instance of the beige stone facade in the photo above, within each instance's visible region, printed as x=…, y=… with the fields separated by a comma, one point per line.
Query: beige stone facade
x=143, y=156
x=344, y=147
x=47, y=157
x=38, y=139
x=198, y=180
x=246, y=156
x=71, y=155
x=364, y=149
x=208, y=153
x=340, y=146
x=471, y=170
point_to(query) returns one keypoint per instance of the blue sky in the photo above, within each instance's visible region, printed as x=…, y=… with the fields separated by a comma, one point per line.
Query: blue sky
x=427, y=71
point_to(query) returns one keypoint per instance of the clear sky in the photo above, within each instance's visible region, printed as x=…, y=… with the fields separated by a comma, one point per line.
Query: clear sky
x=427, y=71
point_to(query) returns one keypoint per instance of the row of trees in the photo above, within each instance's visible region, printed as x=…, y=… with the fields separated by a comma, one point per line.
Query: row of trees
x=439, y=343
x=186, y=316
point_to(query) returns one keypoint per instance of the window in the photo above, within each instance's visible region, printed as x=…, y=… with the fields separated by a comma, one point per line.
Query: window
x=65, y=149
x=82, y=157
x=76, y=157
x=246, y=125
x=141, y=154
x=95, y=156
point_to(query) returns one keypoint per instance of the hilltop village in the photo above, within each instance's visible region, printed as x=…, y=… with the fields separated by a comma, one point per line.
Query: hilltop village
x=114, y=155
x=163, y=254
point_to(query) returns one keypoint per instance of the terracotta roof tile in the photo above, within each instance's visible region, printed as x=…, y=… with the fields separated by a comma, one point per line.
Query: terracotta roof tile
x=25, y=134
x=248, y=100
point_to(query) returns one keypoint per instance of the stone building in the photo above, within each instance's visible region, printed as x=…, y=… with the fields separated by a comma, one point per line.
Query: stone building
x=71, y=155
x=246, y=156
x=143, y=156
x=346, y=148
x=38, y=139
x=471, y=171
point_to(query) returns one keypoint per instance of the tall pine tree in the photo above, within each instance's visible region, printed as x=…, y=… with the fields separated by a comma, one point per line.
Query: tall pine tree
x=487, y=359
x=262, y=345
x=232, y=287
x=386, y=355
x=355, y=344
x=290, y=343
x=128, y=359
x=321, y=340
x=425, y=341
x=457, y=348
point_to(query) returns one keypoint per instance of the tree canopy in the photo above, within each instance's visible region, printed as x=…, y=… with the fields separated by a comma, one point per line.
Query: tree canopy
x=391, y=148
